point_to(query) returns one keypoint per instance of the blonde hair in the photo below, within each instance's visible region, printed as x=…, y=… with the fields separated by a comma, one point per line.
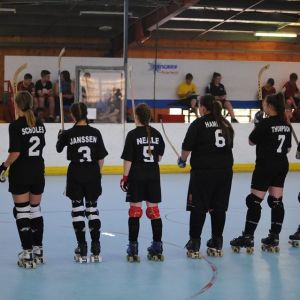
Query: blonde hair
x=24, y=102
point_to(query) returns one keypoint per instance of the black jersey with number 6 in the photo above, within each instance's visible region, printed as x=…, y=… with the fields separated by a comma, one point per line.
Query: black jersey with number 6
x=136, y=150
x=29, y=142
x=272, y=137
x=85, y=148
x=208, y=146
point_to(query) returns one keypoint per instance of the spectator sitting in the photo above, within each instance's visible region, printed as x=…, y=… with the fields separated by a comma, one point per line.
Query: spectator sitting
x=266, y=90
x=217, y=89
x=67, y=89
x=290, y=90
x=186, y=91
x=44, y=93
x=27, y=85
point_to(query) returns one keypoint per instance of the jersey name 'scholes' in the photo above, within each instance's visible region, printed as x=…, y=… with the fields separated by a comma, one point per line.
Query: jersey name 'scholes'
x=209, y=124
x=37, y=129
x=281, y=128
x=144, y=140
x=83, y=139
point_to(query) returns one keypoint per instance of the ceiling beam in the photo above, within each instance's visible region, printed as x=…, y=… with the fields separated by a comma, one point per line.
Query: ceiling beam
x=140, y=30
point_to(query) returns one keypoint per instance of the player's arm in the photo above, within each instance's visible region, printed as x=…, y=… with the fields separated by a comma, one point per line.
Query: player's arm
x=124, y=179
x=12, y=157
x=61, y=141
x=101, y=163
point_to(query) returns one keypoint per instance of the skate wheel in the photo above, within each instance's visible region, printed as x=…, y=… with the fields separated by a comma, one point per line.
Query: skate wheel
x=277, y=249
x=263, y=248
x=235, y=249
x=129, y=258
x=162, y=258
x=221, y=253
x=249, y=250
x=295, y=244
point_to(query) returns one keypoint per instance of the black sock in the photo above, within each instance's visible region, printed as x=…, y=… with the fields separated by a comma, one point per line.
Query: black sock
x=156, y=225
x=134, y=227
x=197, y=219
x=37, y=224
x=217, y=223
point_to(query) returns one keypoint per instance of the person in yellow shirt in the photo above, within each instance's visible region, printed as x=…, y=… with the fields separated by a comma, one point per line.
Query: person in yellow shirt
x=186, y=91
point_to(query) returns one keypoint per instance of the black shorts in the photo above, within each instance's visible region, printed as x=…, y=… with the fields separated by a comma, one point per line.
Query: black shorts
x=144, y=190
x=269, y=174
x=209, y=189
x=20, y=188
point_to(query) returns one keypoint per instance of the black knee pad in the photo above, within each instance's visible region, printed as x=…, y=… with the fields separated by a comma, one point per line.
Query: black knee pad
x=253, y=201
x=275, y=202
x=299, y=197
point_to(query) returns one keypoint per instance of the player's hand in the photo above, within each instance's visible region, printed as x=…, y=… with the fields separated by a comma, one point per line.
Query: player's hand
x=60, y=132
x=2, y=172
x=124, y=183
x=298, y=152
x=181, y=163
x=258, y=117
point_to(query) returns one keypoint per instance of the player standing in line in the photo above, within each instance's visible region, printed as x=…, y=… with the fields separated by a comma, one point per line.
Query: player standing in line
x=144, y=147
x=209, y=139
x=26, y=178
x=86, y=151
x=272, y=137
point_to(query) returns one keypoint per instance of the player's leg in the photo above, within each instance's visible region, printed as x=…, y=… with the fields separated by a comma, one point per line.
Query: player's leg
x=229, y=107
x=156, y=249
x=51, y=105
x=194, y=106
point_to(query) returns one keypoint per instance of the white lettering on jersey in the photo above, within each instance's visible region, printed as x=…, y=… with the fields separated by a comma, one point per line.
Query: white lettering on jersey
x=144, y=140
x=83, y=139
x=209, y=124
x=281, y=128
x=32, y=130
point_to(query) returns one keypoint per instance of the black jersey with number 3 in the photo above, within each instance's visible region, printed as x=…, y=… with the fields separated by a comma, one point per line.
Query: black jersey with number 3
x=136, y=150
x=29, y=142
x=85, y=148
x=208, y=146
x=272, y=137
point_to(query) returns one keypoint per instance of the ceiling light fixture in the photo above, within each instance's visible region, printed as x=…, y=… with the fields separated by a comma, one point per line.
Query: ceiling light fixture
x=12, y=10
x=276, y=34
x=109, y=13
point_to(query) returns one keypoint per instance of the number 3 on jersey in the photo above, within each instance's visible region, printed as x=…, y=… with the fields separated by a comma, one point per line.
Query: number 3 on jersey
x=220, y=140
x=86, y=154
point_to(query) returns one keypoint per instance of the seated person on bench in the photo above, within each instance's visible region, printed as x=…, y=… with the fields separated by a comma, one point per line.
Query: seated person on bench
x=186, y=91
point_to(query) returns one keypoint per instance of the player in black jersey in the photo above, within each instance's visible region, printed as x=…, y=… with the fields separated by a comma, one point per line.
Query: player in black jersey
x=272, y=137
x=144, y=147
x=86, y=151
x=209, y=139
x=26, y=178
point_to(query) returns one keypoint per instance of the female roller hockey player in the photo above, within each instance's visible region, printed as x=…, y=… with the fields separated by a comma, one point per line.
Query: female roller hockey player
x=272, y=137
x=86, y=151
x=26, y=178
x=144, y=147
x=209, y=139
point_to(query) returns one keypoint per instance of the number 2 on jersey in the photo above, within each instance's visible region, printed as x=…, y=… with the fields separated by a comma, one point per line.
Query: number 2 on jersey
x=35, y=141
x=220, y=140
x=281, y=139
x=86, y=154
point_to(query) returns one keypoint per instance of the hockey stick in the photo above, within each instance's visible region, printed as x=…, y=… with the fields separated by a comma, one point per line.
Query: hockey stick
x=167, y=138
x=131, y=92
x=261, y=71
x=61, y=105
x=15, y=82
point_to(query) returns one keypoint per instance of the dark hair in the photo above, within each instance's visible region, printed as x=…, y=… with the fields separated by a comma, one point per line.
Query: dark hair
x=44, y=73
x=277, y=101
x=215, y=107
x=79, y=111
x=66, y=75
x=215, y=75
x=293, y=76
x=27, y=76
x=271, y=81
x=189, y=76
x=143, y=113
x=24, y=102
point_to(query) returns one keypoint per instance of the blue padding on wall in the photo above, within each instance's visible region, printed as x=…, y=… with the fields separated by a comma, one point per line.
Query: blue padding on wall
x=161, y=103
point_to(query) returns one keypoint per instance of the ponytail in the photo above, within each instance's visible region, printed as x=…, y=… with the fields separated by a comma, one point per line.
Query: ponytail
x=277, y=101
x=24, y=102
x=79, y=111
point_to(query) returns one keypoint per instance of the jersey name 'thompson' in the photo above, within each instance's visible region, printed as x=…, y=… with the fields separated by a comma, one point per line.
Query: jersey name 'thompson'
x=83, y=140
x=281, y=128
x=33, y=130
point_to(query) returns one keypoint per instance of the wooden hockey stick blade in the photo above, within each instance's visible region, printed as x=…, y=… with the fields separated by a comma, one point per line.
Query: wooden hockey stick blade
x=168, y=140
x=62, y=52
x=15, y=77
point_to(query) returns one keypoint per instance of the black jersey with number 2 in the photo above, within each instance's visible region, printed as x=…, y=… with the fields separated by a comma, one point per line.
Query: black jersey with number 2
x=208, y=146
x=272, y=137
x=29, y=142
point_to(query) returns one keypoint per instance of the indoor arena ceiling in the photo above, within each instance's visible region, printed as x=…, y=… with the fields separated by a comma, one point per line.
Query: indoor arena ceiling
x=176, y=19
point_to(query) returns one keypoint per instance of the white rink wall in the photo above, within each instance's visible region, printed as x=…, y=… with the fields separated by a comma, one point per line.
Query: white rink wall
x=113, y=136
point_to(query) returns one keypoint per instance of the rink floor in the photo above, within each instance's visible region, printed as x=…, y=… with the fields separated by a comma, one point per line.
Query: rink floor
x=235, y=276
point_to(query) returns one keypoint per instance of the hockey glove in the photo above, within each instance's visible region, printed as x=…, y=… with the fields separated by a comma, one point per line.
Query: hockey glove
x=298, y=152
x=2, y=172
x=124, y=183
x=60, y=132
x=258, y=117
x=181, y=163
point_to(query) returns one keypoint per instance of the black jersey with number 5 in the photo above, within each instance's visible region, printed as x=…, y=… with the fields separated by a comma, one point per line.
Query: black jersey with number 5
x=136, y=150
x=85, y=148
x=272, y=137
x=29, y=142
x=208, y=146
